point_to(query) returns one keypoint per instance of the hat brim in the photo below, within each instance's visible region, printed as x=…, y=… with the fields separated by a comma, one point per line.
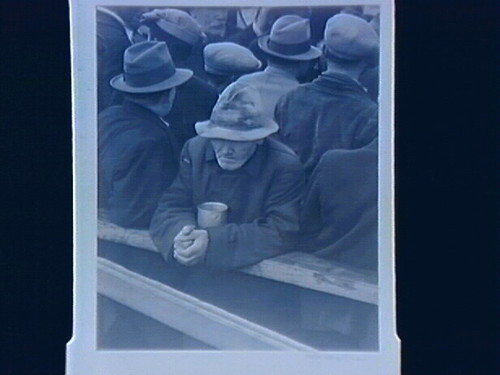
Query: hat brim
x=227, y=72
x=178, y=78
x=312, y=54
x=207, y=129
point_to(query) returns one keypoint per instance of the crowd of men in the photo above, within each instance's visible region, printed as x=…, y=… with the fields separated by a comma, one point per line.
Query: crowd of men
x=272, y=112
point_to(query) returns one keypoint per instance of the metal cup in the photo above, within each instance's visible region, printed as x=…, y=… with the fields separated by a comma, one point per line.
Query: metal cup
x=212, y=214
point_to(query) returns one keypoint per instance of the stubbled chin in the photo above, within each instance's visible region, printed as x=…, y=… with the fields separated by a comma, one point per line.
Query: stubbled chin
x=229, y=166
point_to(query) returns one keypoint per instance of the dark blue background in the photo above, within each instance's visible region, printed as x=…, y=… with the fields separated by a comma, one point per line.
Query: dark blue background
x=447, y=183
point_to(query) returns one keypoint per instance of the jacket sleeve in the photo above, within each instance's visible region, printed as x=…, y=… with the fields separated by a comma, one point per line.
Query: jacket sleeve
x=233, y=245
x=139, y=182
x=175, y=208
x=310, y=215
x=367, y=130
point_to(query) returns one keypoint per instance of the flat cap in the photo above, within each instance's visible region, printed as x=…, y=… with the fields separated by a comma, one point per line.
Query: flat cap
x=226, y=58
x=177, y=23
x=351, y=38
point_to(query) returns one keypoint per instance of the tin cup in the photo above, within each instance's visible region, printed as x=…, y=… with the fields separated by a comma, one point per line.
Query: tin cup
x=212, y=214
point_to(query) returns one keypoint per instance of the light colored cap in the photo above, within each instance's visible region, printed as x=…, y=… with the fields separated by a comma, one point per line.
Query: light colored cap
x=351, y=38
x=177, y=23
x=226, y=58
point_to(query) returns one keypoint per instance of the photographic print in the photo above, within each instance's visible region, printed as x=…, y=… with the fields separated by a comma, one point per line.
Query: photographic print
x=233, y=168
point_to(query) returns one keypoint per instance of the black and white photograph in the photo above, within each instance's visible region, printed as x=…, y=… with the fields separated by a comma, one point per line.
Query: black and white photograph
x=233, y=184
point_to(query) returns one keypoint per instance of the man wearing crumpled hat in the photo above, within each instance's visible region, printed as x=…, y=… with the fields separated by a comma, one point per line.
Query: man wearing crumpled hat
x=334, y=111
x=234, y=161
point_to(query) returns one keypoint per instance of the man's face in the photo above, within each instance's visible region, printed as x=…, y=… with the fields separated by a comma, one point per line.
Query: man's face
x=232, y=155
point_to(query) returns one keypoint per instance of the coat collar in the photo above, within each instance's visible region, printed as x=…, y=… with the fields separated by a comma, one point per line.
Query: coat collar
x=144, y=113
x=253, y=166
x=272, y=70
x=329, y=80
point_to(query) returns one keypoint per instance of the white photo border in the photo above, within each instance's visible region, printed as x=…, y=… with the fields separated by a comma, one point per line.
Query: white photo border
x=83, y=358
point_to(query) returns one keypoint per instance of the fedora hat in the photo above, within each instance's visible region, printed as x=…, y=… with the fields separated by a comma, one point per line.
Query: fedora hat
x=238, y=115
x=351, y=38
x=226, y=58
x=290, y=39
x=176, y=23
x=148, y=68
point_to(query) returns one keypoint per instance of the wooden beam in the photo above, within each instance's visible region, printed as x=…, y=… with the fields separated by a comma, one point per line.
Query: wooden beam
x=301, y=269
x=187, y=314
x=132, y=237
x=308, y=271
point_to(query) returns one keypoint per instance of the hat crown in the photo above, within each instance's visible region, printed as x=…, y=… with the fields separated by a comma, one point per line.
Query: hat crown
x=147, y=63
x=350, y=37
x=181, y=25
x=290, y=29
x=239, y=108
x=145, y=56
x=229, y=58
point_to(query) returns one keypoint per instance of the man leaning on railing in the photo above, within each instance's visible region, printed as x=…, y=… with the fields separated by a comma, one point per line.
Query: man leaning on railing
x=260, y=181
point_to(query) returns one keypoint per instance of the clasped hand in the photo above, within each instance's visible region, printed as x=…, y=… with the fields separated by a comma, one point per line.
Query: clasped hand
x=190, y=245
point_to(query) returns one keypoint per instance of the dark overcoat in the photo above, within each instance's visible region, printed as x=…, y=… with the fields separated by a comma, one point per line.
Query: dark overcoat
x=339, y=222
x=193, y=102
x=331, y=112
x=263, y=198
x=339, y=213
x=138, y=160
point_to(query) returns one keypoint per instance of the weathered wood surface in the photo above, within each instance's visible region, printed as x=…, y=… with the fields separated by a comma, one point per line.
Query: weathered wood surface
x=301, y=269
x=308, y=271
x=187, y=314
x=133, y=237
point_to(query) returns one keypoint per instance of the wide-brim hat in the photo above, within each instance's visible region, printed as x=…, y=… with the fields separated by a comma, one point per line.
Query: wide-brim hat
x=238, y=115
x=149, y=68
x=290, y=38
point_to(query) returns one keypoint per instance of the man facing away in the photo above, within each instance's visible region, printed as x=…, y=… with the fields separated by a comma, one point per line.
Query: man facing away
x=195, y=98
x=339, y=221
x=138, y=159
x=289, y=56
x=233, y=161
x=334, y=111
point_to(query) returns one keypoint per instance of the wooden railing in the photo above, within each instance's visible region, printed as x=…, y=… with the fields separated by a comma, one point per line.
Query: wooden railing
x=210, y=324
x=207, y=323
x=300, y=269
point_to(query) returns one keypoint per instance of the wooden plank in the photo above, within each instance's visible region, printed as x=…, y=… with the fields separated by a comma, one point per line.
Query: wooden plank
x=301, y=269
x=308, y=271
x=187, y=314
x=132, y=237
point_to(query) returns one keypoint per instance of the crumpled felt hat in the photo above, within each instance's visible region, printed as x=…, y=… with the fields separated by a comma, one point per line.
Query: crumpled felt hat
x=227, y=58
x=177, y=23
x=238, y=115
x=290, y=39
x=148, y=68
x=351, y=38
